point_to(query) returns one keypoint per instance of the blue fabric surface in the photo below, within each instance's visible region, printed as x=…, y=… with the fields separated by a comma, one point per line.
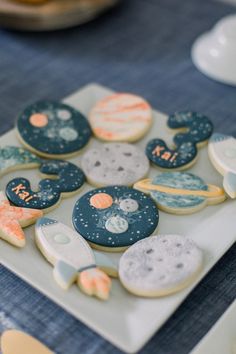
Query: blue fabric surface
x=143, y=46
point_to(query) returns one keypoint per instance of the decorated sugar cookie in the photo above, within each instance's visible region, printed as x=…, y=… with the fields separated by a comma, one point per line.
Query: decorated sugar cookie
x=121, y=117
x=53, y=129
x=72, y=258
x=50, y=190
x=113, y=218
x=199, y=129
x=14, y=158
x=160, y=265
x=115, y=163
x=222, y=153
x=12, y=219
x=181, y=192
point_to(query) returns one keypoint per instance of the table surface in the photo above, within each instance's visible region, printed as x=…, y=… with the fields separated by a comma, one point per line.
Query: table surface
x=142, y=46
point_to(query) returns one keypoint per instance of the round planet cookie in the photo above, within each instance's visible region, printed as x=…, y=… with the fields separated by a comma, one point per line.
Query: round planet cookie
x=53, y=129
x=181, y=192
x=115, y=163
x=160, y=265
x=113, y=218
x=121, y=117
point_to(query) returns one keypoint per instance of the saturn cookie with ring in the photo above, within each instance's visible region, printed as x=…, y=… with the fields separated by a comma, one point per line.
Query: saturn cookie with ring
x=115, y=163
x=113, y=218
x=181, y=192
x=53, y=129
x=122, y=117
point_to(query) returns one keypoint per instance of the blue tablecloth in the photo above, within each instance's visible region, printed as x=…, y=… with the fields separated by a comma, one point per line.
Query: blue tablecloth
x=143, y=46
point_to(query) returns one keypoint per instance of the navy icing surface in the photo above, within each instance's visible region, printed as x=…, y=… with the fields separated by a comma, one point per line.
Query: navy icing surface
x=60, y=136
x=69, y=179
x=90, y=222
x=199, y=129
x=178, y=180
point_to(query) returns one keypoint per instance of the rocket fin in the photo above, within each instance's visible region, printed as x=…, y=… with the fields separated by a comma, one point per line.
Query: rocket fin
x=106, y=264
x=229, y=184
x=64, y=274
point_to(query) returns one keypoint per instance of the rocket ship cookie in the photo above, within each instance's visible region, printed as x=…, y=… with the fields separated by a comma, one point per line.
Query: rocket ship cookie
x=181, y=192
x=222, y=153
x=121, y=117
x=72, y=258
x=12, y=219
x=160, y=265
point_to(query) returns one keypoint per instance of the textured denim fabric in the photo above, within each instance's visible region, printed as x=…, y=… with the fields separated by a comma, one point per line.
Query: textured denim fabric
x=143, y=46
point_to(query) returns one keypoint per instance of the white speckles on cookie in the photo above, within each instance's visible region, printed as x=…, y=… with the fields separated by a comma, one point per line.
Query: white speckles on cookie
x=160, y=265
x=115, y=163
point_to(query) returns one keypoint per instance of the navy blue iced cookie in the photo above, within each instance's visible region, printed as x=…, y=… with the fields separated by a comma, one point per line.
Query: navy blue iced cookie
x=69, y=179
x=53, y=129
x=113, y=218
x=199, y=129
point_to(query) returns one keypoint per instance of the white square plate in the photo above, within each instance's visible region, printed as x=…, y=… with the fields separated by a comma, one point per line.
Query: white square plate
x=125, y=320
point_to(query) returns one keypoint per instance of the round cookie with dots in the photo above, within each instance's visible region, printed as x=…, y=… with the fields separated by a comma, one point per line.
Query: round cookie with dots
x=121, y=117
x=160, y=265
x=194, y=130
x=113, y=218
x=63, y=179
x=53, y=129
x=115, y=163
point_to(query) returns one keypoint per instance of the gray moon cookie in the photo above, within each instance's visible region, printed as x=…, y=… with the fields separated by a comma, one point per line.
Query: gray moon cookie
x=115, y=164
x=160, y=265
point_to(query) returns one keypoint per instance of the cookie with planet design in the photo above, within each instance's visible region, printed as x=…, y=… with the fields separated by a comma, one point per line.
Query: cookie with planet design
x=194, y=130
x=114, y=164
x=114, y=217
x=181, y=192
x=222, y=153
x=121, y=117
x=160, y=265
x=53, y=129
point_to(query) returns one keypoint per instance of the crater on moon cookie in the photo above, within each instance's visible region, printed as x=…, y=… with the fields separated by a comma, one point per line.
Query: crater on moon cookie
x=115, y=164
x=160, y=265
x=117, y=219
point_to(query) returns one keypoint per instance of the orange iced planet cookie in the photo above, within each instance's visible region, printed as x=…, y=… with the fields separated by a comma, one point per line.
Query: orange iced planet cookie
x=12, y=219
x=121, y=117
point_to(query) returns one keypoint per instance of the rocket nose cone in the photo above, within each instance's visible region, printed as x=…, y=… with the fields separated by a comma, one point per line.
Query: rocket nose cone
x=45, y=221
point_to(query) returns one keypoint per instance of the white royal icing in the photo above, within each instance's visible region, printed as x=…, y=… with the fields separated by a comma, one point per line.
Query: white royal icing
x=129, y=205
x=115, y=163
x=116, y=224
x=61, y=243
x=159, y=263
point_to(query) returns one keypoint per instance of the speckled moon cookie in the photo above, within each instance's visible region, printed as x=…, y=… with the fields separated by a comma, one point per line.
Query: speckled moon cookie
x=114, y=163
x=121, y=117
x=181, y=192
x=13, y=158
x=195, y=130
x=53, y=129
x=222, y=153
x=69, y=179
x=160, y=265
x=115, y=217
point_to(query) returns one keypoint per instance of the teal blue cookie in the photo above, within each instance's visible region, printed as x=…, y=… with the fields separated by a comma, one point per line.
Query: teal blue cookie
x=53, y=129
x=181, y=192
